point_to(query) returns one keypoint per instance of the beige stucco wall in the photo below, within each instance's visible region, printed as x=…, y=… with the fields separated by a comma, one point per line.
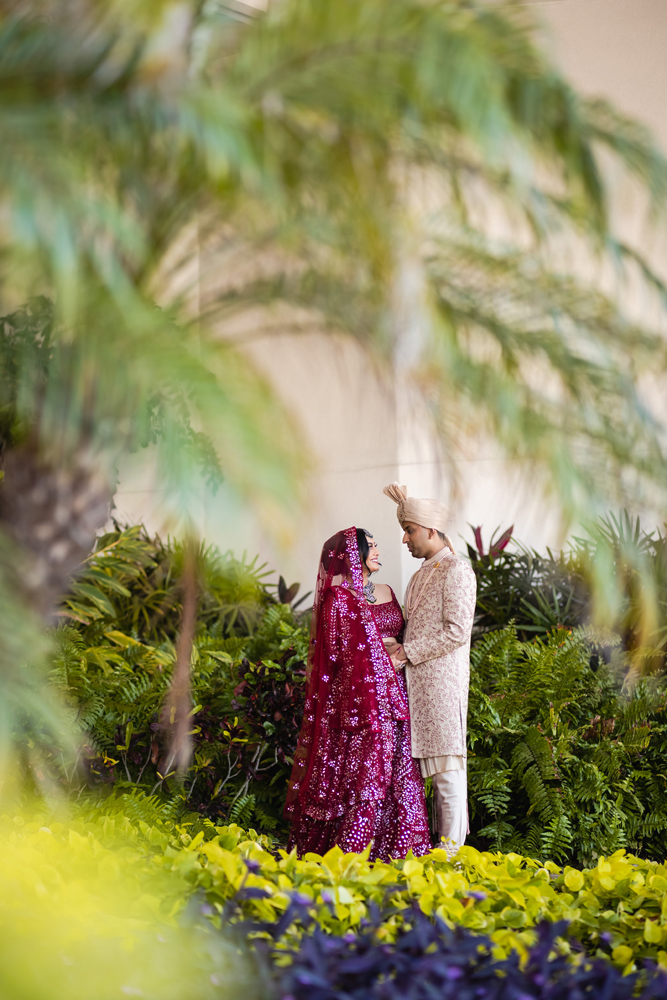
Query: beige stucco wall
x=365, y=429
x=614, y=49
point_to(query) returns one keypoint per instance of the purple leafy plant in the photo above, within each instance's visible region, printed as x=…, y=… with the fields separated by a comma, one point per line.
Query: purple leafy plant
x=430, y=960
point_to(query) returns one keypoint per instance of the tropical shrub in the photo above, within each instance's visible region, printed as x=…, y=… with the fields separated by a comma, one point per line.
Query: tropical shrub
x=114, y=659
x=537, y=592
x=134, y=581
x=624, y=565
x=245, y=721
x=566, y=762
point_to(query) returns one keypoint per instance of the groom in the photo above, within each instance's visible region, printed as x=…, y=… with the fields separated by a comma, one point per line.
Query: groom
x=439, y=612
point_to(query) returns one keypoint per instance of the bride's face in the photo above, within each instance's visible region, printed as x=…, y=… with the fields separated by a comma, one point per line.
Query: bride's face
x=373, y=560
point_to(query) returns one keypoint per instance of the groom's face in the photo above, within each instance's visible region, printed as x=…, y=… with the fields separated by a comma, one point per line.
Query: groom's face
x=417, y=539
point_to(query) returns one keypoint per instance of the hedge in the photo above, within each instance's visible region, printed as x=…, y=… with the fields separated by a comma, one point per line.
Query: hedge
x=617, y=909
x=121, y=905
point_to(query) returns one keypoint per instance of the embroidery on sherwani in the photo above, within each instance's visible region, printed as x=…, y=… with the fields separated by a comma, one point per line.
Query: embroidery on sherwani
x=437, y=644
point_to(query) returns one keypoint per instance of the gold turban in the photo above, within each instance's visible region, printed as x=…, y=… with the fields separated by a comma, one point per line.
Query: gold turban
x=427, y=513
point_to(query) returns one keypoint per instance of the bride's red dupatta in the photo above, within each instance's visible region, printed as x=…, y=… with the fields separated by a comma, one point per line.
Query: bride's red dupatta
x=344, y=753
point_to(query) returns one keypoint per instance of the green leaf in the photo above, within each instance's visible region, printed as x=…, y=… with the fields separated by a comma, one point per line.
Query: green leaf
x=107, y=580
x=94, y=594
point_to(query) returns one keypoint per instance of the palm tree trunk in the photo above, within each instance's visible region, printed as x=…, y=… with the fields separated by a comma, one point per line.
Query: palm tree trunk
x=52, y=514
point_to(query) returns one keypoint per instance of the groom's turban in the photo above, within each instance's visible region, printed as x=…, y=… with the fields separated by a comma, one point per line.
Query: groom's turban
x=427, y=513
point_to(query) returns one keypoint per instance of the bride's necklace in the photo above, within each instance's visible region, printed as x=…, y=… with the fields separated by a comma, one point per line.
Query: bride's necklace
x=369, y=591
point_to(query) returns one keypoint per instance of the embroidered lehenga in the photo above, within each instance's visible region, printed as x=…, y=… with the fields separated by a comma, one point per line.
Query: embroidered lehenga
x=354, y=779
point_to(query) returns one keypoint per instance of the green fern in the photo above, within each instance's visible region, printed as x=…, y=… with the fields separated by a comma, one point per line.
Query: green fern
x=265, y=820
x=534, y=767
x=556, y=838
x=136, y=805
x=242, y=811
x=586, y=749
x=501, y=836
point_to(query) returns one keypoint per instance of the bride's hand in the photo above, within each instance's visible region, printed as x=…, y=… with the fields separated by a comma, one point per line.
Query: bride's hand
x=398, y=657
x=395, y=651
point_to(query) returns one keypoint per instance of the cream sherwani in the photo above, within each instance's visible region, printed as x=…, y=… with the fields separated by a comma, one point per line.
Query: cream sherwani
x=440, y=609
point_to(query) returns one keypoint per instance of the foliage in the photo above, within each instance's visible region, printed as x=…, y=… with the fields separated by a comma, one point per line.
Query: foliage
x=566, y=749
x=293, y=147
x=143, y=156
x=296, y=136
x=623, y=565
x=87, y=910
x=429, y=959
x=503, y=896
x=633, y=564
x=134, y=582
x=37, y=360
x=614, y=910
x=442, y=97
x=113, y=664
x=566, y=761
x=133, y=901
x=536, y=592
x=122, y=874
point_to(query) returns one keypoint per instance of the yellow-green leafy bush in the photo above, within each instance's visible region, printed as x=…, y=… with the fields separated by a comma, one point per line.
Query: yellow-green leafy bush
x=143, y=874
x=618, y=908
x=91, y=910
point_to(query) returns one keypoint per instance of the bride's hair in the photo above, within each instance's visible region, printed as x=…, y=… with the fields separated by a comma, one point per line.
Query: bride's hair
x=363, y=546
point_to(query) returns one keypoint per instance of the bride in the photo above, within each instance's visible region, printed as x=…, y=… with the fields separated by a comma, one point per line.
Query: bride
x=354, y=781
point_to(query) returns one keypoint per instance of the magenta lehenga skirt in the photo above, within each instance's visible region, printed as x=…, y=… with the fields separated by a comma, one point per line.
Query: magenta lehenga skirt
x=396, y=823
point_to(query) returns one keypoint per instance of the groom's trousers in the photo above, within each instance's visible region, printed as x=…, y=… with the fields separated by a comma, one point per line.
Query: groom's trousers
x=450, y=792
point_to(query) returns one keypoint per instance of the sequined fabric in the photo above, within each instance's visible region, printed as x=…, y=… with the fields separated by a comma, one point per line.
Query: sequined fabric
x=354, y=780
x=403, y=822
x=388, y=618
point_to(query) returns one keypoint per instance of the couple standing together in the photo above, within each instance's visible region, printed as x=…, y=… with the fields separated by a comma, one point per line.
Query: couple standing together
x=386, y=697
